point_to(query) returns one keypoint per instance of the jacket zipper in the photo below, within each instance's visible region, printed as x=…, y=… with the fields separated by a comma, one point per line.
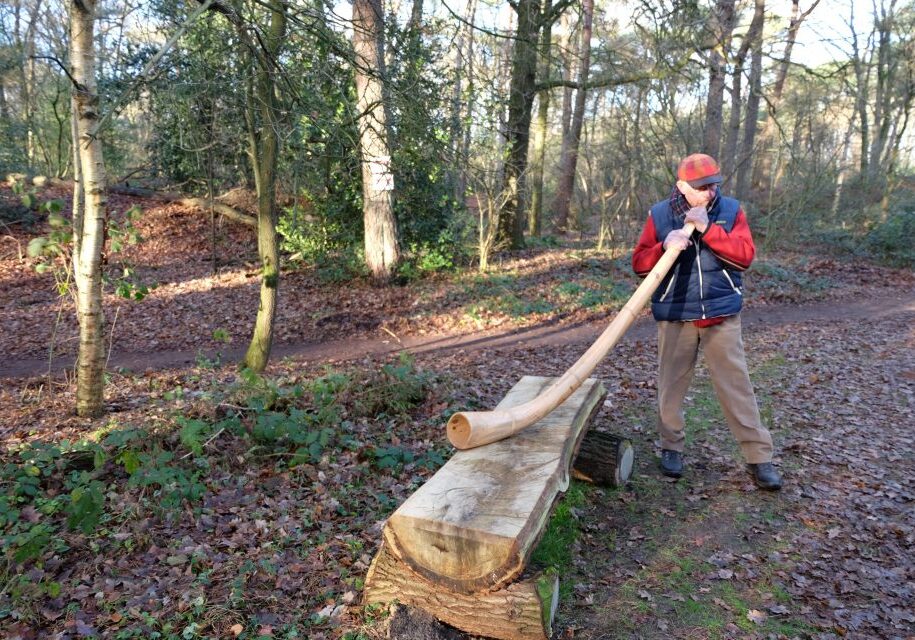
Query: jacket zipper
x=701, y=286
x=728, y=276
x=673, y=277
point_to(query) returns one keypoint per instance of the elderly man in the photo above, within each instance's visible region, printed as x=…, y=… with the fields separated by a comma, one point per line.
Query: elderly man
x=698, y=304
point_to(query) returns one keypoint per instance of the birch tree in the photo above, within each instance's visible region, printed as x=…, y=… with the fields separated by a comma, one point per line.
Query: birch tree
x=89, y=221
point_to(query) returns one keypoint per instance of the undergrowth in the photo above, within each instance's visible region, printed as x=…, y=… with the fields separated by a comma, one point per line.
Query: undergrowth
x=59, y=494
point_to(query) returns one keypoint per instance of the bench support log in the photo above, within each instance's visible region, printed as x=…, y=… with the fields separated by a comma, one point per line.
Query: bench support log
x=604, y=459
x=522, y=611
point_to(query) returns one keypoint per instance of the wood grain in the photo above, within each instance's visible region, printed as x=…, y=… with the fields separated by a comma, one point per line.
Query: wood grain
x=473, y=525
x=522, y=611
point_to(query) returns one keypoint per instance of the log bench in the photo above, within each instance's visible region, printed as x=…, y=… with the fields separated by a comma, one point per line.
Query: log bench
x=457, y=547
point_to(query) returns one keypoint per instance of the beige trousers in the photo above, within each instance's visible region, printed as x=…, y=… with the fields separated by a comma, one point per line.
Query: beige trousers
x=722, y=345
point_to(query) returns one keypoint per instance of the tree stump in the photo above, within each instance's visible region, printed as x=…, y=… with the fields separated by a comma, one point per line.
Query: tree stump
x=604, y=459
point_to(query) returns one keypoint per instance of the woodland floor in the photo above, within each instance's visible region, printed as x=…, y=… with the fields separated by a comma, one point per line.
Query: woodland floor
x=217, y=529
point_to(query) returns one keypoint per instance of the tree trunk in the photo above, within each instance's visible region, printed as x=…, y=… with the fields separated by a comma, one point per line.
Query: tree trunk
x=535, y=213
x=471, y=93
x=842, y=170
x=767, y=135
x=729, y=151
x=262, y=111
x=520, y=107
x=571, y=50
x=569, y=163
x=4, y=108
x=729, y=159
x=460, y=124
x=724, y=24
x=862, y=83
x=745, y=164
x=883, y=24
x=382, y=246
x=91, y=228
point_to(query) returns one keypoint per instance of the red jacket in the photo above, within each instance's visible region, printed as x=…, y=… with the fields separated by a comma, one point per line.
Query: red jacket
x=735, y=248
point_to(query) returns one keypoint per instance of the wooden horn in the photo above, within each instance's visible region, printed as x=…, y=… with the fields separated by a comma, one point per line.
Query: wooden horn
x=469, y=429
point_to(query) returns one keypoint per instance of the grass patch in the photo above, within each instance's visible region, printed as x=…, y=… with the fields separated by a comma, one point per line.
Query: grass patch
x=555, y=550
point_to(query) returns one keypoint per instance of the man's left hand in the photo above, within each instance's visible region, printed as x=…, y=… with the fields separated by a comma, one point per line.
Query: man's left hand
x=699, y=217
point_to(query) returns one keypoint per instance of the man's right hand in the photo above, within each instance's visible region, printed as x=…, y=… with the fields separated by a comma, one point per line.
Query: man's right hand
x=677, y=239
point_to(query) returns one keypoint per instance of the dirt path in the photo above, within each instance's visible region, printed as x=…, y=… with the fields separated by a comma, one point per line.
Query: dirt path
x=547, y=334
x=710, y=557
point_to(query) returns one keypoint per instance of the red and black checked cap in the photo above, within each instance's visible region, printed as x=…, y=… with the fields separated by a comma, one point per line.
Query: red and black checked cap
x=698, y=170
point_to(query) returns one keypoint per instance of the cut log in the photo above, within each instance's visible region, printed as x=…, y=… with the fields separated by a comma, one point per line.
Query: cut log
x=472, y=526
x=522, y=611
x=604, y=459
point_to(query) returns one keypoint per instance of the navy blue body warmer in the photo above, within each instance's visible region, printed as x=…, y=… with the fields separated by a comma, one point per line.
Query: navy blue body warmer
x=699, y=285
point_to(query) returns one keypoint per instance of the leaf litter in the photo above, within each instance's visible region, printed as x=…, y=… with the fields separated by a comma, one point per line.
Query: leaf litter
x=268, y=547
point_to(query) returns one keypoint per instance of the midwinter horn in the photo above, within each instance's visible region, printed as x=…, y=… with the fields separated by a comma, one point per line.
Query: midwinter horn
x=470, y=429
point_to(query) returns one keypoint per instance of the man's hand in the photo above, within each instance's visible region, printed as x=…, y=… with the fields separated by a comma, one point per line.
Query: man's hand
x=699, y=217
x=677, y=238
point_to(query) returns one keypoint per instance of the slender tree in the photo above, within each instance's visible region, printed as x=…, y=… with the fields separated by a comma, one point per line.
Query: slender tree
x=569, y=161
x=768, y=132
x=262, y=118
x=535, y=213
x=745, y=163
x=89, y=222
x=729, y=152
x=714, y=113
x=262, y=122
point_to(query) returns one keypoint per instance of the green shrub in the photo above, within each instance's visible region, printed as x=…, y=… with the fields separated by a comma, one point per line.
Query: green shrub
x=891, y=240
x=392, y=390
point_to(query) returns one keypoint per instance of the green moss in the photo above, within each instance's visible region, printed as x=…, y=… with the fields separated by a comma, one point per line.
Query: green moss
x=545, y=593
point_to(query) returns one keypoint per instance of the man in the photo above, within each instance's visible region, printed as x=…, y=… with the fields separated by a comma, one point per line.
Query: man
x=698, y=303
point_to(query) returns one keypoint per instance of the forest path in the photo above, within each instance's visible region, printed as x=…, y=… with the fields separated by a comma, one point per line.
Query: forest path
x=884, y=303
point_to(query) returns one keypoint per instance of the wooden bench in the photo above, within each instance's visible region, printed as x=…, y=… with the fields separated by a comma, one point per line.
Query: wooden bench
x=457, y=547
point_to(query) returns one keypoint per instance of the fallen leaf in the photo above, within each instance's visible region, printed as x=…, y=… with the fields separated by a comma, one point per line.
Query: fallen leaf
x=756, y=616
